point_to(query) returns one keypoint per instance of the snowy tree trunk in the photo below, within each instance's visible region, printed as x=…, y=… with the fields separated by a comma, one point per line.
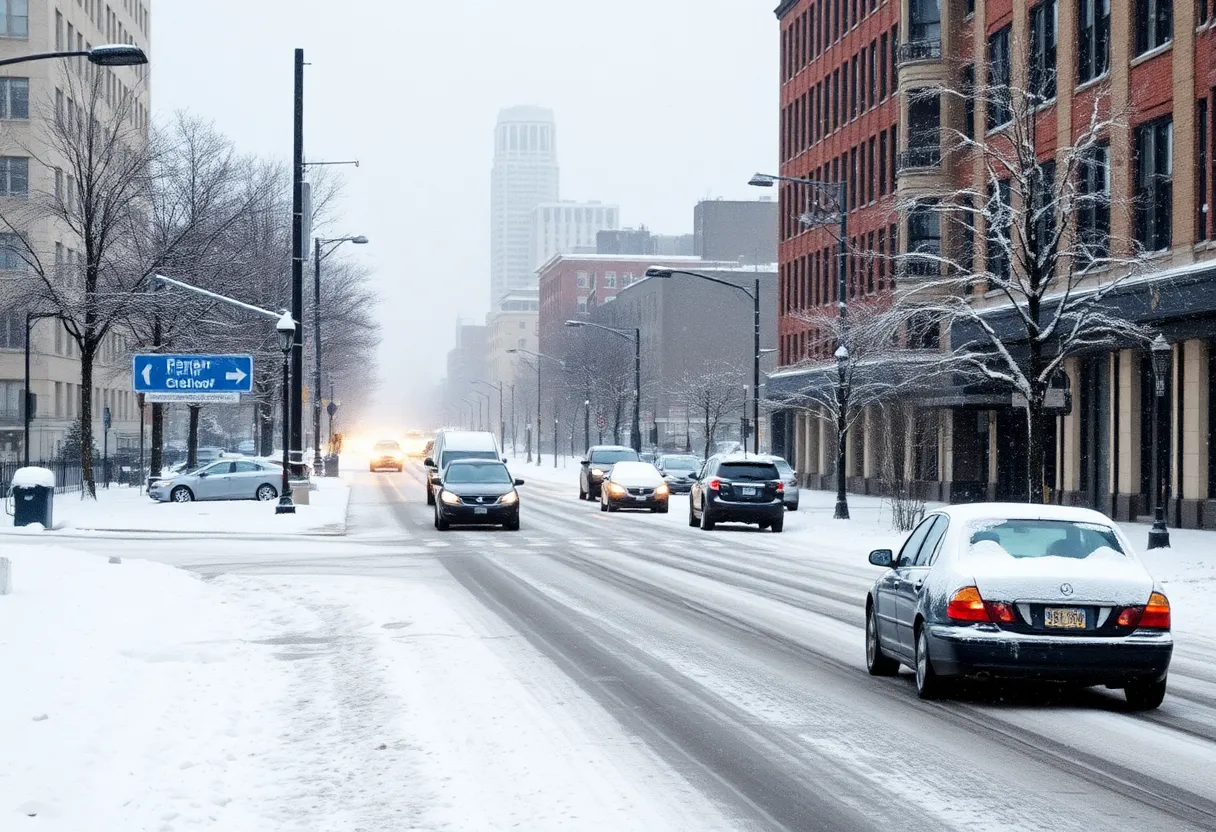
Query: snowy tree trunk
x=87, y=355
x=616, y=424
x=192, y=438
x=1036, y=456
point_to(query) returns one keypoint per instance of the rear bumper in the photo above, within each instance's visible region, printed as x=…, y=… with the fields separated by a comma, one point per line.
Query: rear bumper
x=1108, y=661
x=721, y=511
x=463, y=515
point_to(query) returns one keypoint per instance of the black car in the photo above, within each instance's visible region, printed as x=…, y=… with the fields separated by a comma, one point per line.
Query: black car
x=597, y=464
x=477, y=492
x=737, y=489
x=678, y=470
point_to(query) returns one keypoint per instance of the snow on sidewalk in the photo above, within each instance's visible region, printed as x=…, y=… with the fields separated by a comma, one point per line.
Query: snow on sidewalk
x=123, y=509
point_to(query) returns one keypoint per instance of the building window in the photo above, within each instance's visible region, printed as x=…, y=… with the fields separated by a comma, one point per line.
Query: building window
x=1154, y=24
x=1154, y=184
x=882, y=66
x=1093, y=39
x=14, y=18
x=582, y=306
x=873, y=73
x=14, y=176
x=522, y=343
x=1043, y=33
x=1000, y=109
x=967, y=88
x=924, y=239
x=10, y=245
x=582, y=279
x=14, y=98
x=1000, y=227
x=1203, y=138
x=925, y=19
x=1042, y=196
x=610, y=280
x=1093, y=205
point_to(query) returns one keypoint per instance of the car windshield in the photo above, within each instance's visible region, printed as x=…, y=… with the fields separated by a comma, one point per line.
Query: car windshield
x=613, y=456
x=451, y=456
x=748, y=471
x=681, y=463
x=1043, y=538
x=387, y=446
x=467, y=473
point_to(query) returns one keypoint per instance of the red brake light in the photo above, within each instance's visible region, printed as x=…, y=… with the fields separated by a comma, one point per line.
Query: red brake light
x=1130, y=617
x=1000, y=612
x=780, y=487
x=967, y=605
x=715, y=484
x=1157, y=613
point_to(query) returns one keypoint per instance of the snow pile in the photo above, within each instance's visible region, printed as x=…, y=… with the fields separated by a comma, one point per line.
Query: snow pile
x=131, y=698
x=33, y=477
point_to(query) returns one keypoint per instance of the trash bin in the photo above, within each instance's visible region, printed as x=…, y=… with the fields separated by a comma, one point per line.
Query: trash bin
x=331, y=465
x=33, y=492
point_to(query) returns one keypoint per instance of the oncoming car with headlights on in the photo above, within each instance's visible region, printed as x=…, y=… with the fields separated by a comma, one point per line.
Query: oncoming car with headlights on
x=474, y=492
x=597, y=465
x=387, y=454
x=634, y=485
x=996, y=590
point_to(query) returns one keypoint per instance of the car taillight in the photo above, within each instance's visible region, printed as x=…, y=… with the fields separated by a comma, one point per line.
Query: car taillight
x=780, y=487
x=1000, y=612
x=1130, y=617
x=714, y=485
x=968, y=605
x=1156, y=613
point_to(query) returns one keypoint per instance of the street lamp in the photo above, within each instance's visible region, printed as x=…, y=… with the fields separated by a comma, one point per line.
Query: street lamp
x=115, y=54
x=316, y=334
x=754, y=294
x=1158, y=535
x=586, y=424
x=502, y=425
x=286, y=328
x=636, y=336
x=842, y=431
x=539, y=356
x=481, y=421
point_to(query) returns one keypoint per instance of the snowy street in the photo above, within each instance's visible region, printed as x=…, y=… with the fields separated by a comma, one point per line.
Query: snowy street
x=591, y=671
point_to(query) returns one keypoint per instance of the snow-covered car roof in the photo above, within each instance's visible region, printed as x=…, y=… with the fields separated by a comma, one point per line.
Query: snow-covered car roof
x=1024, y=511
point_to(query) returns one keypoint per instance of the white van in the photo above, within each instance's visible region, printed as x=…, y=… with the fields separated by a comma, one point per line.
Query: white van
x=457, y=444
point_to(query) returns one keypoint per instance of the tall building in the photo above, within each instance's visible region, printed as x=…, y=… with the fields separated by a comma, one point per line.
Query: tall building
x=743, y=230
x=857, y=106
x=566, y=227
x=31, y=164
x=525, y=174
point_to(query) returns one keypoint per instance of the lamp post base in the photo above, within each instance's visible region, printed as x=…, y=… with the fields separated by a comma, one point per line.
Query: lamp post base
x=842, y=509
x=285, y=506
x=1158, y=537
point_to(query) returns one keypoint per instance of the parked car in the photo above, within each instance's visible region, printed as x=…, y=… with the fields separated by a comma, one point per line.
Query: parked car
x=416, y=444
x=647, y=456
x=597, y=464
x=790, y=477
x=1009, y=590
x=387, y=453
x=247, y=448
x=737, y=489
x=224, y=479
x=634, y=485
x=477, y=492
x=451, y=445
x=678, y=470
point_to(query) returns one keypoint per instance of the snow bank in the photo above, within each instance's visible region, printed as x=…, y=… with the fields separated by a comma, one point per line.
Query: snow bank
x=33, y=477
x=134, y=696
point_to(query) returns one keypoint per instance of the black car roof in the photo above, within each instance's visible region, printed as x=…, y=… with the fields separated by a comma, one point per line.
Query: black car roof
x=753, y=459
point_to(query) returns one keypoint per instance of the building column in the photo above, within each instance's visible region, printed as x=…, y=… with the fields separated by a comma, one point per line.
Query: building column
x=1129, y=504
x=1070, y=460
x=869, y=455
x=1194, y=490
x=945, y=453
x=821, y=444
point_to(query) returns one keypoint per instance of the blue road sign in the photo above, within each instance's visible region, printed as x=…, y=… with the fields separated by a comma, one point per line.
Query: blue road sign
x=192, y=374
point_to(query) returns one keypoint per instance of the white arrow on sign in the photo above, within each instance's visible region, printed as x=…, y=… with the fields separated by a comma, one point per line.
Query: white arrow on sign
x=238, y=376
x=147, y=375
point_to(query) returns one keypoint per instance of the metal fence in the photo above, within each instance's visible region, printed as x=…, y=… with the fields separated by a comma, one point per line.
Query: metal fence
x=120, y=469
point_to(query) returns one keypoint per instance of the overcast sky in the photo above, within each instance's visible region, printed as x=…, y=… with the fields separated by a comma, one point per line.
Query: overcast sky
x=658, y=103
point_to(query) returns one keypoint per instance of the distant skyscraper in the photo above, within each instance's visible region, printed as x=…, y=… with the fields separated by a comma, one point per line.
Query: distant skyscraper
x=525, y=175
x=568, y=227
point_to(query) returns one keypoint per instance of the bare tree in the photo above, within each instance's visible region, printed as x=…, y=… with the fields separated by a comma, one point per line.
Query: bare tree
x=711, y=392
x=1049, y=255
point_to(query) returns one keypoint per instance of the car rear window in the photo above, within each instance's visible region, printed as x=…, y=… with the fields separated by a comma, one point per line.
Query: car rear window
x=614, y=456
x=1043, y=538
x=748, y=471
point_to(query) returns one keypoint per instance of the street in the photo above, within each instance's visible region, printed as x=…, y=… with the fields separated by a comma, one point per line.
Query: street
x=724, y=671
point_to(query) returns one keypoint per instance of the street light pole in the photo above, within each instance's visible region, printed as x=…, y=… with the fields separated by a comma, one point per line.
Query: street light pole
x=1158, y=535
x=540, y=357
x=296, y=439
x=287, y=328
x=117, y=54
x=842, y=404
x=636, y=337
x=586, y=424
x=316, y=335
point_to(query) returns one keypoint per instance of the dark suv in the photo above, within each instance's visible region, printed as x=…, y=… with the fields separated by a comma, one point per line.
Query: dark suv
x=597, y=465
x=737, y=489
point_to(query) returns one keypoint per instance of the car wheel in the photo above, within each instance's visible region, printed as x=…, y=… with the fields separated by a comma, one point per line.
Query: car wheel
x=1145, y=695
x=692, y=518
x=663, y=508
x=877, y=662
x=441, y=522
x=181, y=494
x=707, y=524
x=603, y=503
x=266, y=492
x=430, y=496
x=611, y=505
x=928, y=684
x=792, y=506
x=777, y=525
x=762, y=526
x=511, y=525
x=582, y=494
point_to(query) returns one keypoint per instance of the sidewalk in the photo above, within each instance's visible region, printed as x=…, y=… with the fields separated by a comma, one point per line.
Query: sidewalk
x=120, y=509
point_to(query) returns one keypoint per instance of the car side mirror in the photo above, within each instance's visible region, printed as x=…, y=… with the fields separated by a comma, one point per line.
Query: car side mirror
x=882, y=557
x=692, y=474
x=504, y=460
x=203, y=474
x=519, y=481
x=584, y=461
x=428, y=462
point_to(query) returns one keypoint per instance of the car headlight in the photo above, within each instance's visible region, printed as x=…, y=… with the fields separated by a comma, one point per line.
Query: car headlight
x=596, y=472
x=615, y=490
x=449, y=498
x=162, y=483
x=508, y=499
x=661, y=491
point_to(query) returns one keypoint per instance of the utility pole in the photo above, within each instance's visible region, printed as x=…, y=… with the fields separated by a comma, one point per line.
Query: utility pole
x=296, y=439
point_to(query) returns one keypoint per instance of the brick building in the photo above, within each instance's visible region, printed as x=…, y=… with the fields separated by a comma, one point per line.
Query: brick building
x=851, y=71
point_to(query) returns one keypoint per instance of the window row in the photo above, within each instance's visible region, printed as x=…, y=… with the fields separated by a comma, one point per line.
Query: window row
x=813, y=280
x=822, y=24
x=856, y=87
x=1205, y=167
x=867, y=170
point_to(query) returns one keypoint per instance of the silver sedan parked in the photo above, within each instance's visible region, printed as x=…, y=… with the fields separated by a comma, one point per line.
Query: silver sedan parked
x=225, y=479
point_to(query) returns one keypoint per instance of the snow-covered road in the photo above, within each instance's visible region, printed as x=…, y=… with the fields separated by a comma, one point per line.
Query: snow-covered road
x=623, y=671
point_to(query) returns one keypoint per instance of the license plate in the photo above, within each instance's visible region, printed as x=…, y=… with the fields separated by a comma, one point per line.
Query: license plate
x=639, y=496
x=1064, y=618
x=749, y=492
x=481, y=511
